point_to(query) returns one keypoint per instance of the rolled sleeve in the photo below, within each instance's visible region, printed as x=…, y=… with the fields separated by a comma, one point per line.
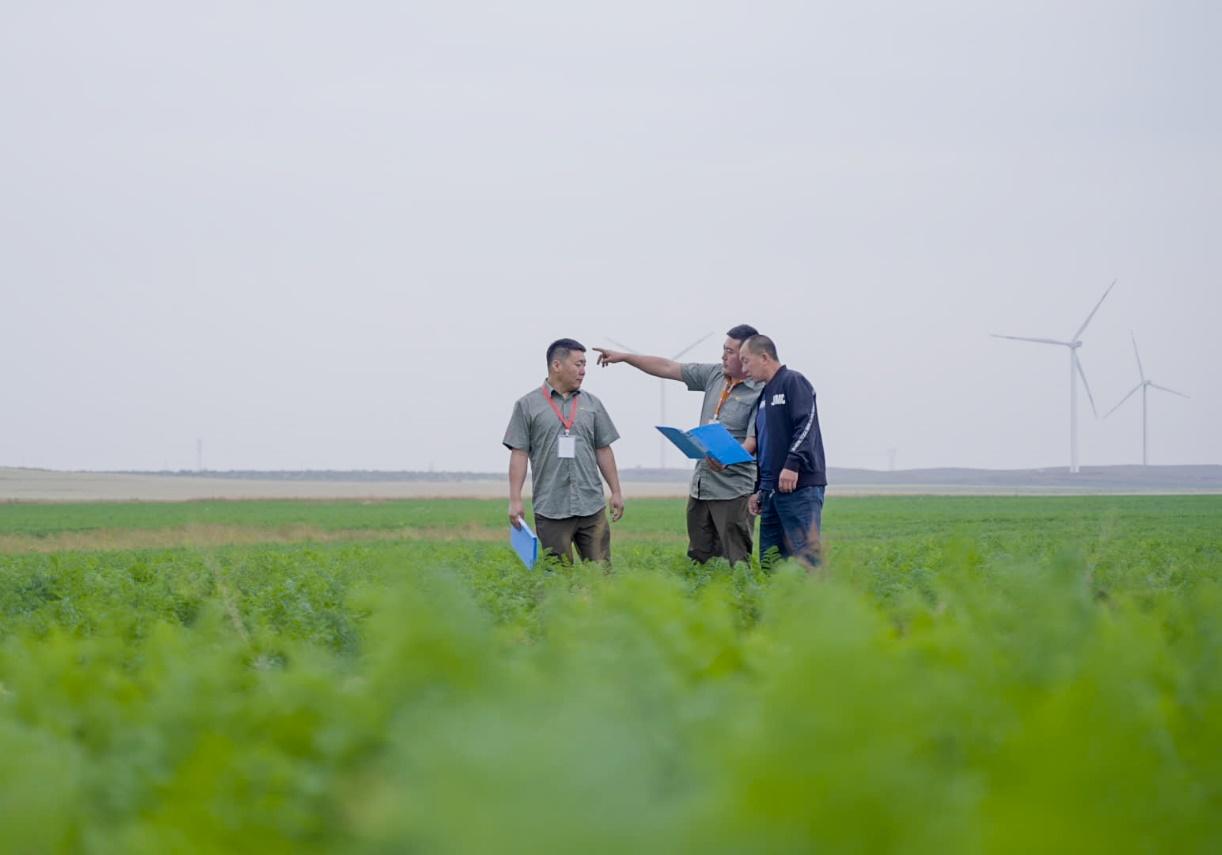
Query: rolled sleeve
x=517, y=434
x=604, y=429
x=698, y=374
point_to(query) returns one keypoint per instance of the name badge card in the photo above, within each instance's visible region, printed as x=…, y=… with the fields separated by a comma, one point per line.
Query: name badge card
x=566, y=443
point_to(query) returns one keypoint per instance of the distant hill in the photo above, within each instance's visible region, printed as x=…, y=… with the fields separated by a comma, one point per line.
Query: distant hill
x=1089, y=477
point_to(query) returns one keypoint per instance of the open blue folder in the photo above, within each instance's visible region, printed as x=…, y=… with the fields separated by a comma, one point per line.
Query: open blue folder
x=525, y=543
x=711, y=440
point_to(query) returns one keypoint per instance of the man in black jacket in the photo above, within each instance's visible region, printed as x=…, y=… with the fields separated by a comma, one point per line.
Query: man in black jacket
x=792, y=472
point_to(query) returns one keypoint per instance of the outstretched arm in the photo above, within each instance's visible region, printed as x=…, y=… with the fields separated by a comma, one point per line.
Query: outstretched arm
x=658, y=366
x=606, y=465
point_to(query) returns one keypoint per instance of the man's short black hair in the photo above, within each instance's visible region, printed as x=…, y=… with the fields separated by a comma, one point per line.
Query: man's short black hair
x=562, y=347
x=761, y=344
x=742, y=332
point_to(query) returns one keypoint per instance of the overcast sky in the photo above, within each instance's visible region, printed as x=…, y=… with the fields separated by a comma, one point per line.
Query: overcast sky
x=323, y=235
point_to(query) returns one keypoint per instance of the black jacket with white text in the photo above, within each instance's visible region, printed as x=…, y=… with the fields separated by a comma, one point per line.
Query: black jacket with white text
x=787, y=430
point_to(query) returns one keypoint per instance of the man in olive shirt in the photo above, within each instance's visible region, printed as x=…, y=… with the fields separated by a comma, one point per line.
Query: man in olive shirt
x=719, y=523
x=565, y=434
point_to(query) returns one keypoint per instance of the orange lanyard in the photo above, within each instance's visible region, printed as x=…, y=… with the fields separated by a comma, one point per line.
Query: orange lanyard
x=567, y=424
x=725, y=396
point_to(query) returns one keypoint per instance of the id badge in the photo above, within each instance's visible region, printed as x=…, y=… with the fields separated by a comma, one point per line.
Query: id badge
x=566, y=446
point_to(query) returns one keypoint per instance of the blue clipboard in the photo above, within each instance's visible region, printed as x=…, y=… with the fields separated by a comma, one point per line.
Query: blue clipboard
x=525, y=543
x=711, y=440
x=683, y=442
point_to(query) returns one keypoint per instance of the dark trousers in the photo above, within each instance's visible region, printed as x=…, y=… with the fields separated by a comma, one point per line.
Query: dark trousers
x=790, y=523
x=719, y=528
x=591, y=535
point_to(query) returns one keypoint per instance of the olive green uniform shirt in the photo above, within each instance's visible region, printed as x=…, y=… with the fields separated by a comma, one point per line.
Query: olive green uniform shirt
x=738, y=417
x=561, y=487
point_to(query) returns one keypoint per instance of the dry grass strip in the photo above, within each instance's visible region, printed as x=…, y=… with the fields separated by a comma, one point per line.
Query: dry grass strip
x=212, y=536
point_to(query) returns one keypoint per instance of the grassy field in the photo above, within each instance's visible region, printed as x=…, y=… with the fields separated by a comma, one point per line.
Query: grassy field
x=965, y=674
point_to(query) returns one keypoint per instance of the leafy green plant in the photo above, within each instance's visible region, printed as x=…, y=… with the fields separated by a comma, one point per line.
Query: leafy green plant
x=1001, y=676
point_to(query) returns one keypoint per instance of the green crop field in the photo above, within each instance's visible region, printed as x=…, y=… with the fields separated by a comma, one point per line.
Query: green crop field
x=962, y=675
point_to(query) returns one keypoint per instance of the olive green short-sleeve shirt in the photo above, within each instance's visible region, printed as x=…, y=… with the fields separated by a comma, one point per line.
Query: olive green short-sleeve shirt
x=738, y=416
x=561, y=487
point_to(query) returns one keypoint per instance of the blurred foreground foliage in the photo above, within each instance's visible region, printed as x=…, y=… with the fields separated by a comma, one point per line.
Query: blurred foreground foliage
x=993, y=687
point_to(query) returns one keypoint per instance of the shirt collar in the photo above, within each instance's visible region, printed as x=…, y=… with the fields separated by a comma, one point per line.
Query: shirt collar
x=552, y=390
x=775, y=377
x=746, y=381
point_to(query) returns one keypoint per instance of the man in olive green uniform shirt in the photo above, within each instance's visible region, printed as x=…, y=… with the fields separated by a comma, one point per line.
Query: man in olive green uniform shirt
x=719, y=523
x=565, y=434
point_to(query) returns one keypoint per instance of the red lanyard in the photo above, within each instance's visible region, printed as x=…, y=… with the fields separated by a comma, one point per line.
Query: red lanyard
x=568, y=424
x=725, y=396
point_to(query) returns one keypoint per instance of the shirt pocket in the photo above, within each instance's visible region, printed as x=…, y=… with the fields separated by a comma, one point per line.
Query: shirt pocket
x=736, y=414
x=586, y=424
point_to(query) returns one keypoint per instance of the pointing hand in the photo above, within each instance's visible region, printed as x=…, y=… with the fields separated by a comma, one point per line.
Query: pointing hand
x=609, y=357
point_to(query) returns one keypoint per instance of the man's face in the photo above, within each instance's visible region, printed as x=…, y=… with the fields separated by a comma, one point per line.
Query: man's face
x=570, y=370
x=731, y=363
x=752, y=363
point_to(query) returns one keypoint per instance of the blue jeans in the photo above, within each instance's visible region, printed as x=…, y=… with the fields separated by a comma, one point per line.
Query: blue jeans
x=791, y=523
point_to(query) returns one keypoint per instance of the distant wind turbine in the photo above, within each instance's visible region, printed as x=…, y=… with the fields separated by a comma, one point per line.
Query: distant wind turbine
x=1075, y=371
x=662, y=441
x=1144, y=386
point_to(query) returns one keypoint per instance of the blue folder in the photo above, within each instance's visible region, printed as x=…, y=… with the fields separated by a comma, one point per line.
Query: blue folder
x=711, y=440
x=525, y=544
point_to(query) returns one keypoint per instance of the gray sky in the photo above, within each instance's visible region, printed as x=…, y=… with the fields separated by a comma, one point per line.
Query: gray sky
x=342, y=235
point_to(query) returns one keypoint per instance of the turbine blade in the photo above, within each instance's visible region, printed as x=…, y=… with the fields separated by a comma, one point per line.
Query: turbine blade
x=1172, y=391
x=690, y=346
x=622, y=346
x=1025, y=338
x=1078, y=363
x=1132, y=392
x=1140, y=371
x=1082, y=328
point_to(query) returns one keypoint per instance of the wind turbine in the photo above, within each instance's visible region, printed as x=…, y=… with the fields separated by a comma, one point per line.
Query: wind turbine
x=1075, y=371
x=1145, y=385
x=662, y=441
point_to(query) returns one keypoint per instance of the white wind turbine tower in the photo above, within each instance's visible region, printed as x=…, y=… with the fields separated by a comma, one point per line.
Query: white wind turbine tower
x=662, y=441
x=1145, y=385
x=1075, y=371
